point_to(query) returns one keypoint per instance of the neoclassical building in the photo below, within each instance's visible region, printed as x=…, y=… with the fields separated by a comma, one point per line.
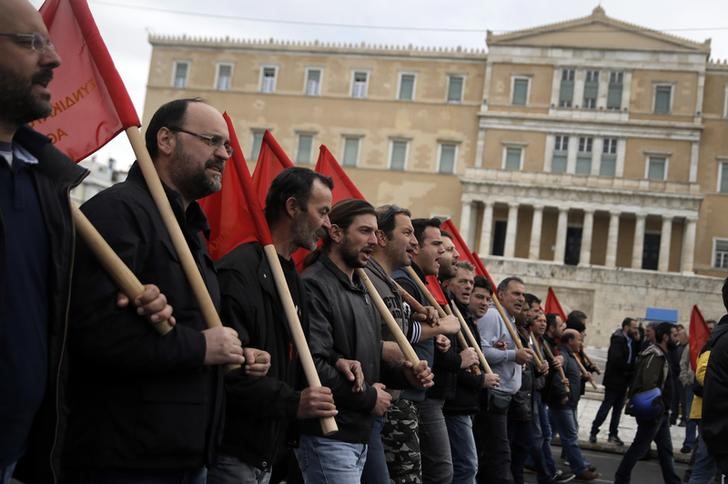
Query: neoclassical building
x=589, y=155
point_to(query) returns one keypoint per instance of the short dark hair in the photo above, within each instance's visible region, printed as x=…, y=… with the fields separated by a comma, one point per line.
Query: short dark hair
x=344, y=212
x=387, y=215
x=171, y=115
x=465, y=265
x=447, y=234
x=661, y=330
x=531, y=298
x=293, y=182
x=575, y=320
x=420, y=224
x=626, y=322
x=725, y=293
x=551, y=319
x=503, y=285
x=482, y=281
x=567, y=337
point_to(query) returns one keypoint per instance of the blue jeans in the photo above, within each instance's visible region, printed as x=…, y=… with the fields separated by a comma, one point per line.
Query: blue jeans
x=230, y=470
x=704, y=468
x=647, y=431
x=565, y=424
x=197, y=476
x=330, y=461
x=6, y=473
x=462, y=447
x=614, y=401
x=434, y=443
x=540, y=457
x=691, y=426
x=375, y=468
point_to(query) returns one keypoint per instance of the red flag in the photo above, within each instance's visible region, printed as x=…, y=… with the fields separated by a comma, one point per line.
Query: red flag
x=343, y=186
x=482, y=271
x=552, y=305
x=271, y=161
x=90, y=103
x=699, y=334
x=433, y=285
x=233, y=213
x=465, y=253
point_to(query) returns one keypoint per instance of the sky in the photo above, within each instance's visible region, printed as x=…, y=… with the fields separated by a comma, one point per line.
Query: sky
x=126, y=24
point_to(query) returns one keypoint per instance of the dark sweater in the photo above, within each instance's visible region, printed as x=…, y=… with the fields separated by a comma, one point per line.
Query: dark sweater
x=23, y=307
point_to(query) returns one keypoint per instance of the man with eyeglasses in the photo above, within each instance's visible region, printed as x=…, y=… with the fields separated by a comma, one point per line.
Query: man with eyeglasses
x=147, y=407
x=36, y=255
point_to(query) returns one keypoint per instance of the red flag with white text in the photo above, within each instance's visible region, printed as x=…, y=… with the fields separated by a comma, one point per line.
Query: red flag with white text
x=89, y=101
x=234, y=215
x=698, y=336
x=271, y=161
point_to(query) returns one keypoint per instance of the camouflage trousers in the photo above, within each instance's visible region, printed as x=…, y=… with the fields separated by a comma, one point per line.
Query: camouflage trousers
x=401, y=443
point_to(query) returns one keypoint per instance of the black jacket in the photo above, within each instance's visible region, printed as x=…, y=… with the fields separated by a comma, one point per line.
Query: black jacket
x=573, y=374
x=55, y=177
x=445, y=367
x=258, y=410
x=469, y=387
x=619, y=371
x=715, y=396
x=345, y=324
x=141, y=400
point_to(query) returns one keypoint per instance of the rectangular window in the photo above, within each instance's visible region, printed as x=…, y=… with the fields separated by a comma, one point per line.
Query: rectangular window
x=608, y=163
x=723, y=177
x=398, y=155
x=584, y=156
x=268, y=79
x=520, y=91
x=663, y=99
x=181, y=71
x=305, y=143
x=656, y=168
x=351, y=151
x=224, y=77
x=720, y=255
x=359, y=84
x=313, y=82
x=455, y=89
x=257, y=141
x=447, y=158
x=614, y=93
x=561, y=149
x=406, y=87
x=513, y=158
x=591, y=89
x=566, y=89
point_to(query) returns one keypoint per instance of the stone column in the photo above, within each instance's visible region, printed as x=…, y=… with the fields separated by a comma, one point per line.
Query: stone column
x=586, y=238
x=534, y=248
x=486, y=230
x=663, y=263
x=560, y=249
x=688, y=252
x=639, y=241
x=612, y=239
x=510, y=248
x=465, y=216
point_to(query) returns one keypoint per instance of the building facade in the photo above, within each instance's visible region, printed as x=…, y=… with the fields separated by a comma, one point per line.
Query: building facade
x=588, y=155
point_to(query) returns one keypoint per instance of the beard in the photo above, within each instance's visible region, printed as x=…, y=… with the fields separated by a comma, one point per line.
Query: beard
x=192, y=182
x=18, y=104
x=350, y=255
x=304, y=236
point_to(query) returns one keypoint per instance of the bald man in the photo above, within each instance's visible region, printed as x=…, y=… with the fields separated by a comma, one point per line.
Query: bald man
x=36, y=253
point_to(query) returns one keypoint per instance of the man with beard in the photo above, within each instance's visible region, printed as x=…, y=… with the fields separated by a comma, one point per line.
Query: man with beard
x=36, y=254
x=652, y=371
x=449, y=258
x=505, y=360
x=434, y=444
x=344, y=323
x=258, y=410
x=395, y=454
x=146, y=406
x=464, y=404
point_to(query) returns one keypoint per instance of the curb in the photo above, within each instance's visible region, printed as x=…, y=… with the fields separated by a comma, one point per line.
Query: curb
x=613, y=449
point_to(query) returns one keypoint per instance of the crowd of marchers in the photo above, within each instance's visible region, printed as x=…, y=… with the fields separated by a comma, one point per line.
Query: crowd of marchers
x=92, y=393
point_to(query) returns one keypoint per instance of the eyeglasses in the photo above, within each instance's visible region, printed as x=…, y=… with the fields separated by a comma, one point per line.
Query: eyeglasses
x=34, y=41
x=213, y=141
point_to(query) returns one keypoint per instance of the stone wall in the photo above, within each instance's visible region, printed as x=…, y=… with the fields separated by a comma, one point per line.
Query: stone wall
x=609, y=295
